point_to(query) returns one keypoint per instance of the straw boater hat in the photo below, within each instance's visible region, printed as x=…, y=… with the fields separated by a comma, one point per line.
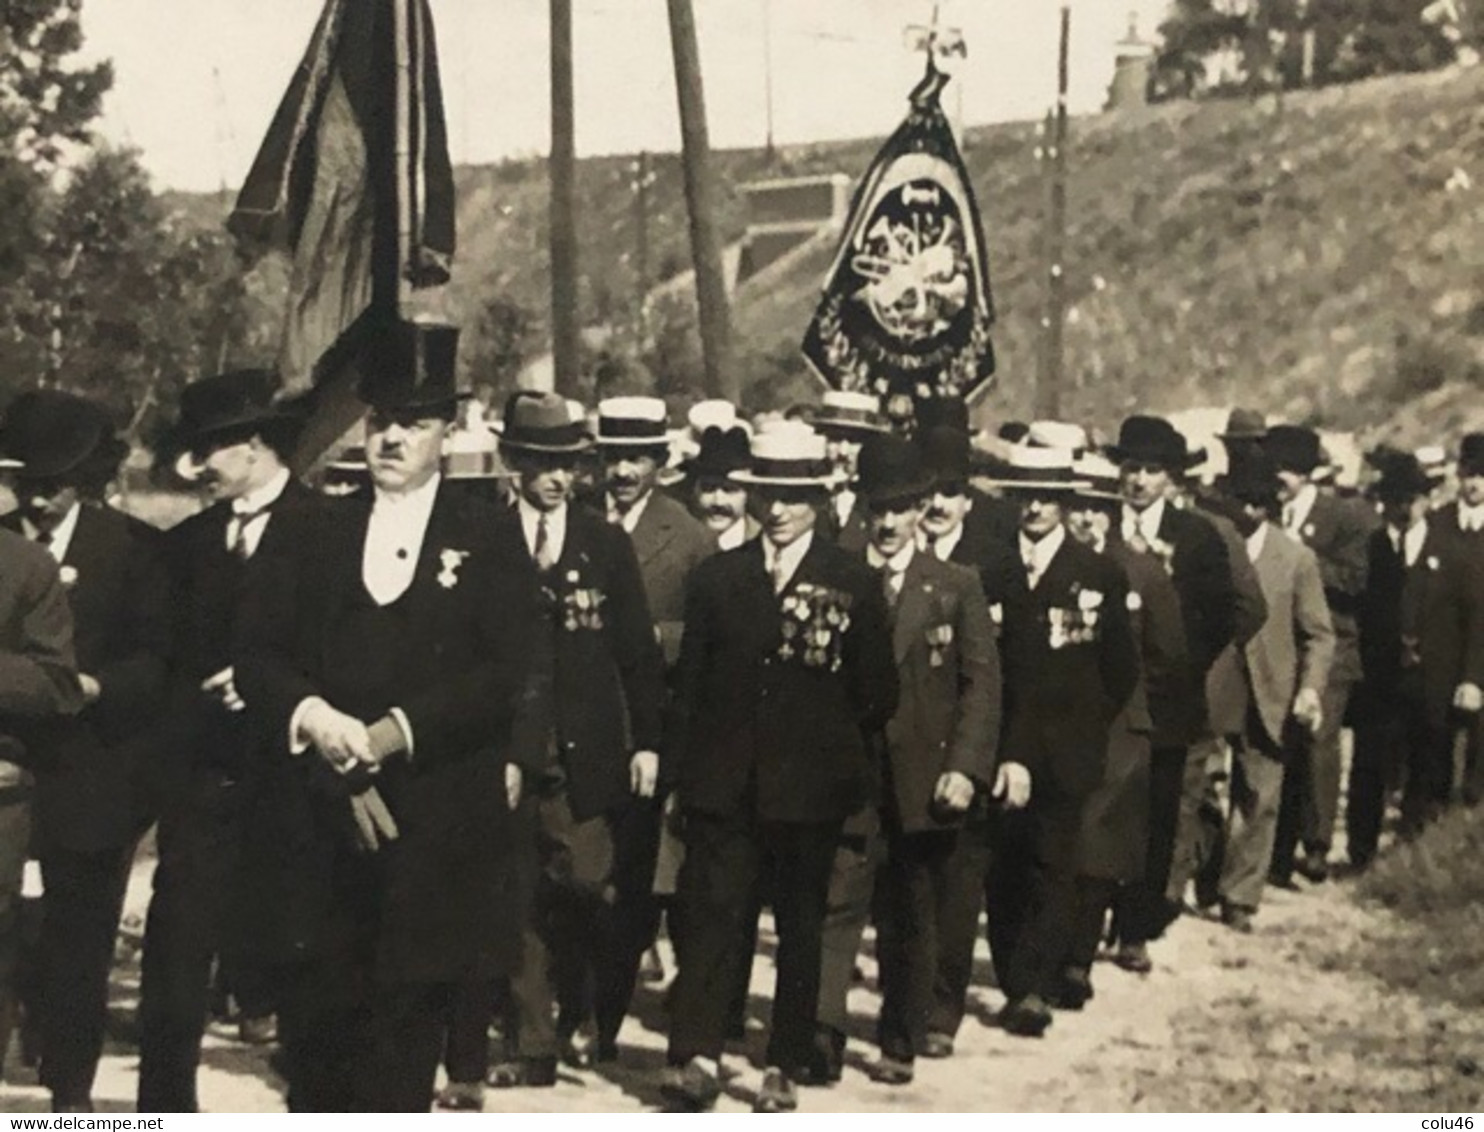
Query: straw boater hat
x=1057, y=434
x=543, y=422
x=1102, y=476
x=1433, y=459
x=1050, y=470
x=787, y=454
x=857, y=415
x=632, y=422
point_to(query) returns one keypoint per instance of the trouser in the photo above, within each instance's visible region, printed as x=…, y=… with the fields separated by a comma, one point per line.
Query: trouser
x=570, y=929
x=1031, y=893
x=200, y=842
x=1095, y=897
x=914, y=882
x=466, y=1054
x=1194, y=831
x=960, y=904
x=15, y=841
x=1316, y=790
x=635, y=916
x=1385, y=734
x=80, y=915
x=726, y=860
x=847, y=911
x=1144, y=908
x=1247, y=851
x=1472, y=784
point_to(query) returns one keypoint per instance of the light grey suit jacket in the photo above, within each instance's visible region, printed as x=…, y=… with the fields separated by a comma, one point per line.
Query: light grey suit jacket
x=1296, y=645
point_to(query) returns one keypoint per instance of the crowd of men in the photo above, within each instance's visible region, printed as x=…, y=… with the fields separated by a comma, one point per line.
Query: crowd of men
x=429, y=757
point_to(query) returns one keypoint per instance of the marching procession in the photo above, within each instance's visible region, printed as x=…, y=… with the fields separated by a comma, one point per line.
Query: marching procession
x=433, y=758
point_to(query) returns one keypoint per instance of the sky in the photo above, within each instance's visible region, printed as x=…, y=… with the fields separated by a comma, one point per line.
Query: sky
x=196, y=81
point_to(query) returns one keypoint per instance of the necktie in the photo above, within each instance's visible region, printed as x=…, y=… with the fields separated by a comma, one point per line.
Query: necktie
x=542, y=553
x=1289, y=515
x=775, y=572
x=890, y=587
x=237, y=531
x=1031, y=574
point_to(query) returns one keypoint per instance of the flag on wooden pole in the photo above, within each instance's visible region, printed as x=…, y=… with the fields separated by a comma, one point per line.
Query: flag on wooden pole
x=907, y=307
x=354, y=183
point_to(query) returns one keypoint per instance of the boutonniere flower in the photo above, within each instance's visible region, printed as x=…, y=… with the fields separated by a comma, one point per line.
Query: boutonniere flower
x=1432, y=562
x=939, y=637
x=69, y=577
x=815, y=620
x=997, y=613
x=450, y=560
x=1135, y=602
x=1165, y=552
x=1089, y=600
x=1308, y=530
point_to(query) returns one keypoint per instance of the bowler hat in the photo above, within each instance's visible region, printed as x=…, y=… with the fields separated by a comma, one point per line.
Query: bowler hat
x=946, y=453
x=1471, y=455
x=723, y=451
x=1244, y=424
x=51, y=434
x=542, y=422
x=1153, y=440
x=1295, y=448
x=410, y=367
x=891, y=470
x=1402, y=476
x=787, y=454
x=857, y=414
x=227, y=404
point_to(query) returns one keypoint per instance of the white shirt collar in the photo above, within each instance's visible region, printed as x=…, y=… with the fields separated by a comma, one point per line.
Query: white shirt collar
x=944, y=547
x=1296, y=511
x=734, y=536
x=897, y=563
x=265, y=496
x=1256, y=541
x=1470, y=518
x=556, y=527
x=1145, y=523
x=628, y=519
x=61, y=534
x=1039, y=554
x=783, y=562
x=1410, y=541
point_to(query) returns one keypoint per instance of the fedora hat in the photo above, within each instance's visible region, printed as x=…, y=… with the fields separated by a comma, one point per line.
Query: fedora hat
x=891, y=470
x=722, y=452
x=787, y=454
x=858, y=414
x=1028, y=469
x=411, y=367
x=632, y=422
x=1244, y=424
x=1294, y=448
x=49, y=434
x=236, y=403
x=542, y=422
x=1153, y=440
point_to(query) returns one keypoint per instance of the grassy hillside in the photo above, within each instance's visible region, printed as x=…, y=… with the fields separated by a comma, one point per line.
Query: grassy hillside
x=1324, y=259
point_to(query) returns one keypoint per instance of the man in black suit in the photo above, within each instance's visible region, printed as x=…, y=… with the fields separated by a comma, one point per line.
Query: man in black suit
x=785, y=675
x=1151, y=454
x=1070, y=665
x=393, y=665
x=846, y=420
x=38, y=683
x=232, y=440
x=604, y=740
x=1337, y=531
x=90, y=767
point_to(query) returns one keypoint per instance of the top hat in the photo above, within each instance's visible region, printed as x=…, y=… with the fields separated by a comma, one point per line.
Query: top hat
x=1402, y=476
x=1471, y=455
x=723, y=451
x=542, y=422
x=48, y=434
x=1153, y=440
x=891, y=469
x=787, y=454
x=1294, y=448
x=852, y=413
x=1030, y=470
x=632, y=422
x=1253, y=480
x=1244, y=424
x=410, y=367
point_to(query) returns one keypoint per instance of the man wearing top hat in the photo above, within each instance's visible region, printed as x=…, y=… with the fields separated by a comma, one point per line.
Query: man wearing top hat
x=1286, y=666
x=392, y=664
x=845, y=420
x=1151, y=454
x=1070, y=665
x=785, y=675
x=940, y=747
x=1336, y=530
x=1460, y=527
x=601, y=746
x=232, y=440
x=91, y=801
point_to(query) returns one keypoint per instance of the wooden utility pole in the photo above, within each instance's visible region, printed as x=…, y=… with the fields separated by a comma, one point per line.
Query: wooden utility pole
x=700, y=199
x=1053, y=323
x=565, y=324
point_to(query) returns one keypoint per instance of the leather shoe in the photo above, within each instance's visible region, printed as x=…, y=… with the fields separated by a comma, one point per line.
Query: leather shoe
x=890, y=1071
x=1073, y=990
x=652, y=967
x=1237, y=918
x=461, y=1096
x=258, y=1031
x=827, y=1065
x=1283, y=880
x=1313, y=867
x=523, y=1073
x=691, y=1087
x=1134, y=957
x=937, y=1046
x=777, y=1094
x=1026, y=1017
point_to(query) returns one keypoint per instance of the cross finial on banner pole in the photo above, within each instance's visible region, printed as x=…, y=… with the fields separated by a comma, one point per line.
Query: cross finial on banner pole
x=937, y=41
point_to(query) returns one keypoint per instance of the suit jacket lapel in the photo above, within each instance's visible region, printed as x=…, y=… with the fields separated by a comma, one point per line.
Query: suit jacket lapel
x=654, y=531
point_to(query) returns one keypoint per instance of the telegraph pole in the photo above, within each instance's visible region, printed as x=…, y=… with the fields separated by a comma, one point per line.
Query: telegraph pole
x=1053, y=322
x=565, y=326
x=643, y=179
x=700, y=199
